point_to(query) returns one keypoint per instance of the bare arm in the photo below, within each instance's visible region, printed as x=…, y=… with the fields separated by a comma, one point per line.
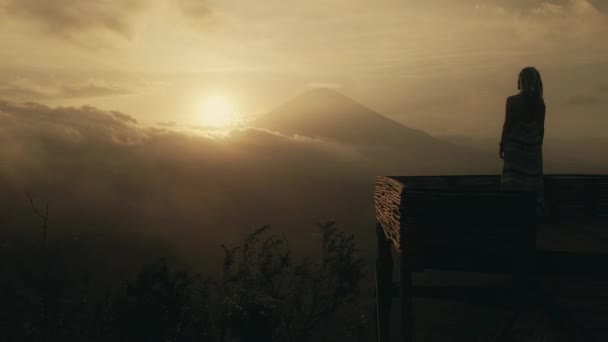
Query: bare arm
x=542, y=126
x=506, y=127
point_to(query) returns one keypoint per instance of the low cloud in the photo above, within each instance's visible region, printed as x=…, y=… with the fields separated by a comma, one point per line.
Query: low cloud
x=600, y=5
x=584, y=100
x=71, y=18
x=65, y=125
x=542, y=7
x=196, y=9
x=167, y=123
x=548, y=8
x=188, y=187
x=23, y=120
x=200, y=15
x=104, y=173
x=26, y=89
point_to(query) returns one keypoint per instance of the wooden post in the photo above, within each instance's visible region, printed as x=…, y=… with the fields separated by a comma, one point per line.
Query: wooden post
x=405, y=282
x=384, y=285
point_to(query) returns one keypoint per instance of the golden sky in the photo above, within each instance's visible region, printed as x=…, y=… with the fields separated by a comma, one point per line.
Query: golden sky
x=97, y=100
x=440, y=65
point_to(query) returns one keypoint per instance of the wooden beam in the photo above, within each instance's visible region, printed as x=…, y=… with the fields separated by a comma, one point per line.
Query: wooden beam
x=406, y=295
x=384, y=285
x=387, y=195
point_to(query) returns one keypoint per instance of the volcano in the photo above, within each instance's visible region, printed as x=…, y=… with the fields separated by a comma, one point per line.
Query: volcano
x=328, y=114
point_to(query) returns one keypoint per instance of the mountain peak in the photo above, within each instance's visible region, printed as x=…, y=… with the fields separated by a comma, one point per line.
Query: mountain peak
x=327, y=113
x=326, y=92
x=324, y=99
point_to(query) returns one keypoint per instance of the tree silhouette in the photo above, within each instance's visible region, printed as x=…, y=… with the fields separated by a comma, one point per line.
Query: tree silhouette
x=271, y=297
x=161, y=305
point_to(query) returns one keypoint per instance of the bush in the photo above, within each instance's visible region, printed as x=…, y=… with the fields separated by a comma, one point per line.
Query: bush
x=270, y=297
x=263, y=294
x=160, y=305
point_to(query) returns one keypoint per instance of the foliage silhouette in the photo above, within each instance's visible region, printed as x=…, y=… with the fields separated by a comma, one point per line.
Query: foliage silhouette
x=161, y=305
x=271, y=297
x=262, y=294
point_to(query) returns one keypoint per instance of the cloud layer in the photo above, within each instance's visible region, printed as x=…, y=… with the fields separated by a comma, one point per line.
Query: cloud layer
x=103, y=173
x=21, y=88
x=70, y=18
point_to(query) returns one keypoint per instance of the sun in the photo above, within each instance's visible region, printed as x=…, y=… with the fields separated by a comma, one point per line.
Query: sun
x=217, y=112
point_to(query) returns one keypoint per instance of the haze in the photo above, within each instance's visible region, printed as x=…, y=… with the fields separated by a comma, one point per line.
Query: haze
x=164, y=128
x=441, y=66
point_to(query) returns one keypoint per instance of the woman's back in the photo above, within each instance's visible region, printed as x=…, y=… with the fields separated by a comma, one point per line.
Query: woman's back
x=525, y=120
x=522, y=137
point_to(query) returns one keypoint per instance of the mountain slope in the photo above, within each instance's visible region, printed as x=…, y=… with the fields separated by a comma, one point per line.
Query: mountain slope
x=326, y=113
x=386, y=144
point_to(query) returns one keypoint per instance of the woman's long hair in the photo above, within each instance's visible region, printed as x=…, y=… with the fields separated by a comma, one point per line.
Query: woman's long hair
x=531, y=84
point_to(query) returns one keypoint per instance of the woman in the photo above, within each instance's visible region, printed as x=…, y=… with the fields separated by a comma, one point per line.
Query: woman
x=522, y=137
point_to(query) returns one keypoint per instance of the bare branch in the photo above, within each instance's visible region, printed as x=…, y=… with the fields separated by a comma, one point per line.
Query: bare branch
x=36, y=211
x=44, y=217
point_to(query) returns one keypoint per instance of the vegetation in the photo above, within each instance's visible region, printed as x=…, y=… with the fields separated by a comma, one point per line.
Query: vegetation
x=270, y=297
x=263, y=294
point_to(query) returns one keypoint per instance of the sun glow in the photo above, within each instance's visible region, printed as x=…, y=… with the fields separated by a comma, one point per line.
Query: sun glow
x=217, y=112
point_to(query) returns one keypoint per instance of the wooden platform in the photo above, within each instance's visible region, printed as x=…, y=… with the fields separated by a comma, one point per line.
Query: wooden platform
x=465, y=223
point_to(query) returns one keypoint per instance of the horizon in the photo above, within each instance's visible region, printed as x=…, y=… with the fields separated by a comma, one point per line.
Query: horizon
x=408, y=61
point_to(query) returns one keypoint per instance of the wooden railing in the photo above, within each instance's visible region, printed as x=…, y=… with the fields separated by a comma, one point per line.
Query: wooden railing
x=466, y=223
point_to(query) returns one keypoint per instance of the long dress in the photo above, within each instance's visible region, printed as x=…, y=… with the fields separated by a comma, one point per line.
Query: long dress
x=522, y=142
